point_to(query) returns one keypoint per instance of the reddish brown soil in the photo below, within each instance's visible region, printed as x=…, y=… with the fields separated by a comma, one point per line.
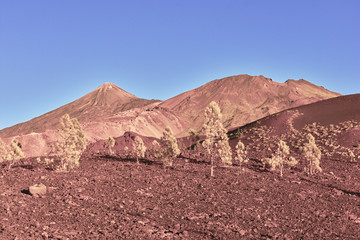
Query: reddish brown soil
x=116, y=199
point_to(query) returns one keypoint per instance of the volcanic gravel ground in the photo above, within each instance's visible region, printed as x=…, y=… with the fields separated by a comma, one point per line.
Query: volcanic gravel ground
x=113, y=199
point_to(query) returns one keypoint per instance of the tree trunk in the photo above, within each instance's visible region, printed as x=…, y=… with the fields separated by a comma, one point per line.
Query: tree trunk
x=212, y=166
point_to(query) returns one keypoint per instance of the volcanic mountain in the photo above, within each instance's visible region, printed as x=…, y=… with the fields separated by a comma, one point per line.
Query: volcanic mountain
x=245, y=98
x=105, y=101
x=111, y=111
x=106, y=111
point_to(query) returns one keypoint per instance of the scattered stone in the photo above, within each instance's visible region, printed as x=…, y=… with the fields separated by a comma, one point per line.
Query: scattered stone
x=338, y=192
x=38, y=190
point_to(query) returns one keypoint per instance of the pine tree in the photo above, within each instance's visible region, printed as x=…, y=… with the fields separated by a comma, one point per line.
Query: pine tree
x=139, y=148
x=217, y=141
x=241, y=153
x=282, y=152
x=169, y=146
x=281, y=157
x=71, y=144
x=312, y=155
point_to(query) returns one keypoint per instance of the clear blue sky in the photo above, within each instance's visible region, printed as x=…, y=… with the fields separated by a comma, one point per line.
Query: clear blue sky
x=55, y=51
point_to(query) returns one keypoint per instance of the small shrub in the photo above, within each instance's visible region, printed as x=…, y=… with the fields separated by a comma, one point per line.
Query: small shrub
x=240, y=153
x=110, y=143
x=48, y=161
x=126, y=152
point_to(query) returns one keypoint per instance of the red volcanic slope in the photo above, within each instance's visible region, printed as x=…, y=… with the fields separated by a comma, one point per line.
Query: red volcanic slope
x=330, y=111
x=245, y=98
x=334, y=111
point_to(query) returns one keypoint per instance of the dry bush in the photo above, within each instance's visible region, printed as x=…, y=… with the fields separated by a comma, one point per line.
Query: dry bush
x=217, y=141
x=49, y=162
x=70, y=144
x=139, y=148
x=351, y=155
x=312, y=155
x=169, y=147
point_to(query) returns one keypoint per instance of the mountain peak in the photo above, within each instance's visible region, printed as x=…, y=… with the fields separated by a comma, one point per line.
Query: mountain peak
x=107, y=85
x=108, y=93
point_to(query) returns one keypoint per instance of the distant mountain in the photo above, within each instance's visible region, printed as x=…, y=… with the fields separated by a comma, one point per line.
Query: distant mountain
x=245, y=98
x=105, y=101
x=111, y=111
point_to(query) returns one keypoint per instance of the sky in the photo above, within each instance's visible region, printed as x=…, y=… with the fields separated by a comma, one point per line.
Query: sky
x=54, y=52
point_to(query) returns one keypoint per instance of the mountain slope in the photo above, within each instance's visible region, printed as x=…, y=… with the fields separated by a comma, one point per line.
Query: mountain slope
x=245, y=98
